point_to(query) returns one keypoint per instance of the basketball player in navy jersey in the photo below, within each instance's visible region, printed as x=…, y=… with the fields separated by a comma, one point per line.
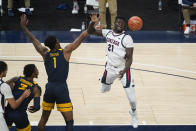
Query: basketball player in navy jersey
x=6, y=94
x=119, y=59
x=19, y=84
x=56, y=61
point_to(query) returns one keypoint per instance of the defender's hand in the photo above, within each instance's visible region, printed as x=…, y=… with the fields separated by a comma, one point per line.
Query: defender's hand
x=91, y=28
x=94, y=18
x=23, y=21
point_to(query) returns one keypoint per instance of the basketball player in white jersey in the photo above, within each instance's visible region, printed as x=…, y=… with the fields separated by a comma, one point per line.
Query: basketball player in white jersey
x=6, y=94
x=119, y=50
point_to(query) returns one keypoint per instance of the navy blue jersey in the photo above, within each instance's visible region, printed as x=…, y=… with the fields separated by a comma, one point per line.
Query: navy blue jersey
x=20, y=86
x=56, y=66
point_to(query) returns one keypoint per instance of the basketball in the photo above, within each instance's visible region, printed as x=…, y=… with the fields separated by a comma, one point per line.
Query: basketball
x=135, y=23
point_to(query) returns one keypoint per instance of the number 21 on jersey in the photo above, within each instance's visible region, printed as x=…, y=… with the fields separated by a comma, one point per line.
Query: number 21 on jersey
x=110, y=47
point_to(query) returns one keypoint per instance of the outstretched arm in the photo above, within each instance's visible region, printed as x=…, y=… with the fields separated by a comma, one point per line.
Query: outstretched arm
x=74, y=45
x=40, y=49
x=129, y=60
x=94, y=20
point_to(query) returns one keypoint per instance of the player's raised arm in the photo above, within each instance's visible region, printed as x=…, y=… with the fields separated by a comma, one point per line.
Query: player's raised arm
x=74, y=45
x=93, y=31
x=40, y=49
x=71, y=47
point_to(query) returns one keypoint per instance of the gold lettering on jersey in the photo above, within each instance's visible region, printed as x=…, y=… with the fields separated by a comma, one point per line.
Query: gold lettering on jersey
x=54, y=54
x=112, y=41
x=26, y=82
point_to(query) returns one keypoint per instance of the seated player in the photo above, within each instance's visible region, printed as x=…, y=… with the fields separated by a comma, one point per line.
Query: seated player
x=19, y=84
x=187, y=12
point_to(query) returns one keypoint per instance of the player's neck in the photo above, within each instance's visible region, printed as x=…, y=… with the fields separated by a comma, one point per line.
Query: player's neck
x=55, y=49
x=117, y=32
x=30, y=78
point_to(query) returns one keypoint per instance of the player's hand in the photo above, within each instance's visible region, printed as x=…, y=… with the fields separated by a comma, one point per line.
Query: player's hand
x=23, y=21
x=94, y=18
x=194, y=4
x=91, y=28
x=26, y=93
x=121, y=74
x=31, y=109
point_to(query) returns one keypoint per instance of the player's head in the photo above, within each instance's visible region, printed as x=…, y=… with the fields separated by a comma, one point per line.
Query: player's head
x=3, y=68
x=119, y=24
x=51, y=42
x=31, y=70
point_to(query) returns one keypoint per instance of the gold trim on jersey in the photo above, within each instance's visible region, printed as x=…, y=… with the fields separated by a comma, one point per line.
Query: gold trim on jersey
x=28, y=128
x=47, y=106
x=64, y=107
x=26, y=82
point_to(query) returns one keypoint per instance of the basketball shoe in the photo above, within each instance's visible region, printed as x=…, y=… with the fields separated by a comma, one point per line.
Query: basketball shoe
x=75, y=8
x=134, y=120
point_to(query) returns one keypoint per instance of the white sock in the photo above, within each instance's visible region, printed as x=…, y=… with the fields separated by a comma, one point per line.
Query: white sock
x=131, y=97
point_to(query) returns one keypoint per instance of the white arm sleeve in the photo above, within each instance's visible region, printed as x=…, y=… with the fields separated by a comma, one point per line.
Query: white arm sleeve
x=6, y=91
x=128, y=41
x=105, y=32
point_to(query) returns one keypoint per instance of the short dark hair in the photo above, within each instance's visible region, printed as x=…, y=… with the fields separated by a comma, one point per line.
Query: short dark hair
x=50, y=42
x=3, y=66
x=122, y=18
x=29, y=70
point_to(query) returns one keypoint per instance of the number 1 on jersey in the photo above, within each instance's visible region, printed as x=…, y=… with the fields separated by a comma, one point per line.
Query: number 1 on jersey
x=54, y=58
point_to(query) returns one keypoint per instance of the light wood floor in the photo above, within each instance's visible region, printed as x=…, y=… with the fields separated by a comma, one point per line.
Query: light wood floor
x=161, y=98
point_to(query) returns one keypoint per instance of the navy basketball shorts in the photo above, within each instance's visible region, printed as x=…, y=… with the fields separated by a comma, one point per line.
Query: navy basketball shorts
x=57, y=93
x=19, y=118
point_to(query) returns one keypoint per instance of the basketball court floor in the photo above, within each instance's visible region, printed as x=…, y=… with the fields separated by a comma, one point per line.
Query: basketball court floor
x=164, y=75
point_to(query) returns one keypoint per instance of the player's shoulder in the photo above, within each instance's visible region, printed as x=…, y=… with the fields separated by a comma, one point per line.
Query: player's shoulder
x=127, y=36
x=105, y=32
x=4, y=86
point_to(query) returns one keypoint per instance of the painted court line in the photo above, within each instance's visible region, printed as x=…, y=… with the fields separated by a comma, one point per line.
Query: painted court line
x=93, y=59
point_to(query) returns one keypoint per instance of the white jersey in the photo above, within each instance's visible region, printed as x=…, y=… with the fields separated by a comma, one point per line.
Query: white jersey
x=116, y=47
x=5, y=93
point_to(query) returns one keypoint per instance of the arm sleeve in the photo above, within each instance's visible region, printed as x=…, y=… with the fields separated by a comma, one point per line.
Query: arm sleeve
x=105, y=32
x=6, y=91
x=187, y=2
x=127, y=42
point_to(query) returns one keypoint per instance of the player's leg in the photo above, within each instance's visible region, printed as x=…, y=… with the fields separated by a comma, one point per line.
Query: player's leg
x=107, y=80
x=68, y=117
x=8, y=118
x=43, y=120
x=21, y=121
x=47, y=105
x=128, y=84
x=64, y=105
